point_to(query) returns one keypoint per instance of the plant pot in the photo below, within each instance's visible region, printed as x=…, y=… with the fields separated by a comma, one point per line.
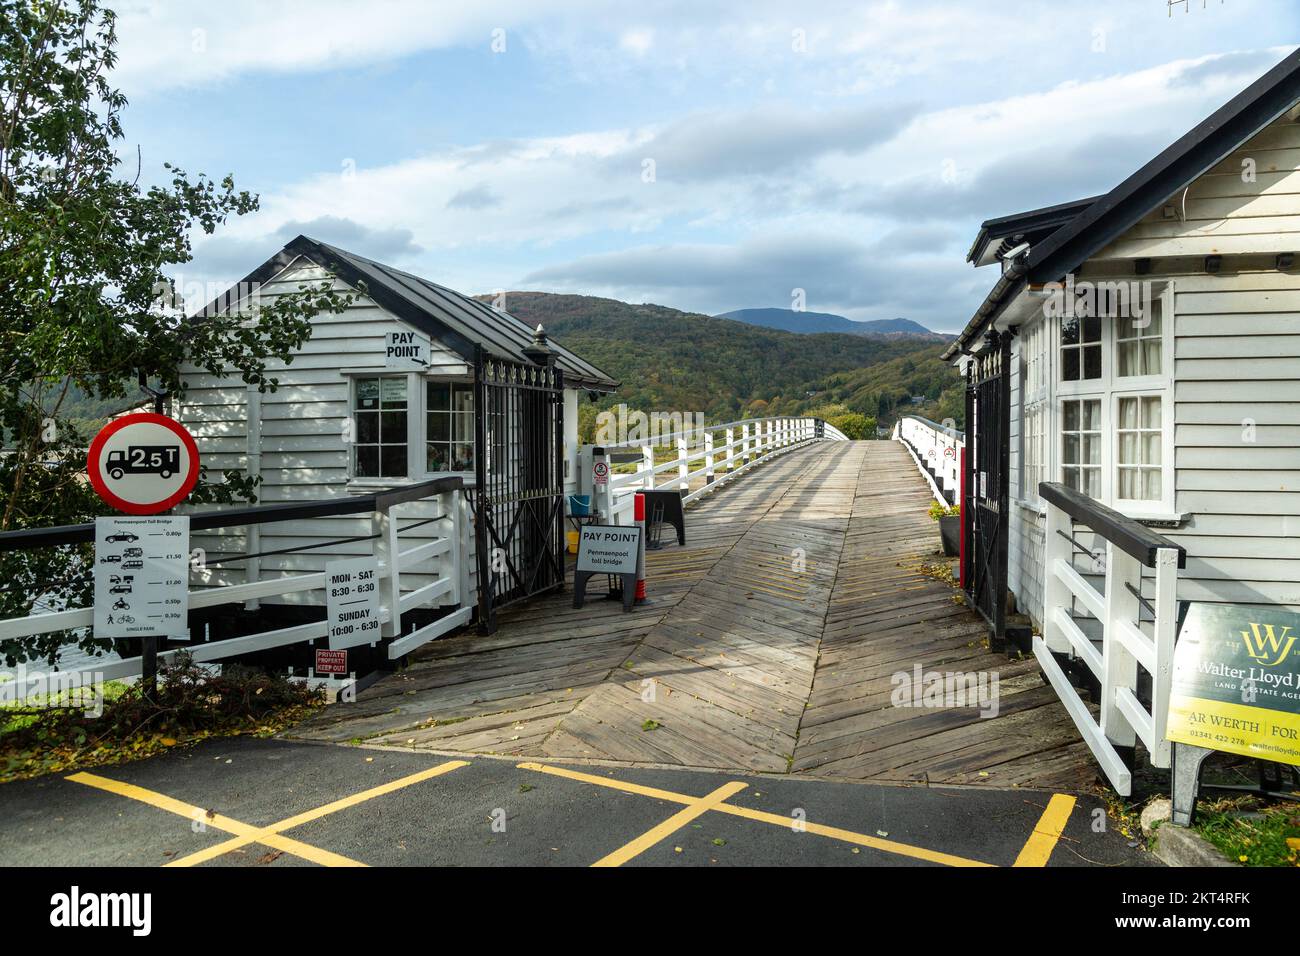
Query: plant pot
x=950, y=534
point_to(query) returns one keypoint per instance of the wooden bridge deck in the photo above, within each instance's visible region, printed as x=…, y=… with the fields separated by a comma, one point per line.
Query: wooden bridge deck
x=770, y=645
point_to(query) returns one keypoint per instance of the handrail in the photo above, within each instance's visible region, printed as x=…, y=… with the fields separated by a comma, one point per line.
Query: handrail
x=663, y=440
x=1105, y=631
x=1130, y=536
x=723, y=459
x=379, y=500
x=956, y=432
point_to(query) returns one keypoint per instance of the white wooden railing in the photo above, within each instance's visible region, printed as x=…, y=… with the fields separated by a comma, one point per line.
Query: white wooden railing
x=446, y=538
x=1123, y=638
x=937, y=451
x=702, y=460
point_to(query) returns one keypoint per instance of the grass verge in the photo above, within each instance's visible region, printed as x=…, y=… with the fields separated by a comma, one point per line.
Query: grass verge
x=122, y=723
x=1251, y=831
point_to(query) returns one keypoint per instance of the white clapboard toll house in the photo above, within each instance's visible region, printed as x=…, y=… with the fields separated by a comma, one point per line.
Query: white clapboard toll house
x=387, y=395
x=1140, y=351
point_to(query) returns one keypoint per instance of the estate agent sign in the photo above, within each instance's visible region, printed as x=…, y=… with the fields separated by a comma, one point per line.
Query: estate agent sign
x=1236, y=684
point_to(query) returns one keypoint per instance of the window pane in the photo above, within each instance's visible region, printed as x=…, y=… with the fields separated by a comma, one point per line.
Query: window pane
x=1151, y=449
x=462, y=428
x=1151, y=357
x=367, y=427
x=1092, y=482
x=368, y=393
x=1092, y=449
x=393, y=461
x=437, y=457
x=462, y=457
x=1128, y=448
x=1151, y=490
x=1070, y=365
x=1151, y=412
x=439, y=396
x=1071, y=450
x=1127, y=483
x=1092, y=329
x=367, y=461
x=1092, y=415
x=462, y=399
x=1092, y=361
x=393, y=392
x=1128, y=413
x=1069, y=331
x=392, y=428
x=1071, y=477
x=1127, y=358
x=439, y=426
x=1071, y=416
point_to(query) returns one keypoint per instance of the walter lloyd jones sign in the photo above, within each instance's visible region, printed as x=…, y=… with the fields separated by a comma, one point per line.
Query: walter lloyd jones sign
x=609, y=549
x=1236, y=683
x=141, y=576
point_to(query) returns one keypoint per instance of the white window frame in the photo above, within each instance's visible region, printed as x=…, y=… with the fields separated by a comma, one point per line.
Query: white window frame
x=1036, y=367
x=1109, y=388
x=354, y=376
x=425, y=380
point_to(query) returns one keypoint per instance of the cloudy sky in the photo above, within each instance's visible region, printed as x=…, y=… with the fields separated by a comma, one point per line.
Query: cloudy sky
x=705, y=156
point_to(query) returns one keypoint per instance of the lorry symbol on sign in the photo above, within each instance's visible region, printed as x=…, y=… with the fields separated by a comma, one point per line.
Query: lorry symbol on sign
x=160, y=460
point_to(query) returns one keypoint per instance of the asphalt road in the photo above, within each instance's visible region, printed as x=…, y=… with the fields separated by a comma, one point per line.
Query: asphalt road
x=247, y=802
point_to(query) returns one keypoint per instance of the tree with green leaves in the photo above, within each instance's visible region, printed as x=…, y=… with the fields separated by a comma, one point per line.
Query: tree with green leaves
x=86, y=305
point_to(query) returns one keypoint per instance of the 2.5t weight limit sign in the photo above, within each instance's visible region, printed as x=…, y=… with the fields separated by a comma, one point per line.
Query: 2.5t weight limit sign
x=143, y=464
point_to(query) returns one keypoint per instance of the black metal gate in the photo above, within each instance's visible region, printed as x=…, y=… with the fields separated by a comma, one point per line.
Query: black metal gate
x=519, y=489
x=986, y=498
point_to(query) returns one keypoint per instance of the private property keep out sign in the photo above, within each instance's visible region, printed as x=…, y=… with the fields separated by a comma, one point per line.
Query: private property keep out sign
x=143, y=464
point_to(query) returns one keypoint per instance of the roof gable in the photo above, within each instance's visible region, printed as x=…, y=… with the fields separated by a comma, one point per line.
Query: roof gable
x=1210, y=142
x=458, y=321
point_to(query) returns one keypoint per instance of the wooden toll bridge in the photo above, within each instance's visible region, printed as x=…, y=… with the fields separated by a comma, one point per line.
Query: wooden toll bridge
x=774, y=641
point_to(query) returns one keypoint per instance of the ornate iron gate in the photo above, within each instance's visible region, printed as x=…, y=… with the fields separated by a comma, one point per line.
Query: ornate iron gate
x=519, y=490
x=985, y=503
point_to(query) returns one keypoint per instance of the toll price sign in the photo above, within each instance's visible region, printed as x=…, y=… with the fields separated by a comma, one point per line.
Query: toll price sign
x=142, y=576
x=352, y=599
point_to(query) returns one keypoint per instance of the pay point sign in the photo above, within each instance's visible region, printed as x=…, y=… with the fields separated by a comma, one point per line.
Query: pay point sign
x=143, y=464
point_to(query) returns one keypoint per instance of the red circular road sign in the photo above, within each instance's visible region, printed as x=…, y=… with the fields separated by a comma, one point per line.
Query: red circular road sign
x=143, y=464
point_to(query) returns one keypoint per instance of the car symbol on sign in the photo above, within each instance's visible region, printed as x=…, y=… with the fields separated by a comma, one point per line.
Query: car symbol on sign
x=122, y=536
x=135, y=564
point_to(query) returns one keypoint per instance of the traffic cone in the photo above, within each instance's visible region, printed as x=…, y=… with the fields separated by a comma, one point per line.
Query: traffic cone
x=638, y=515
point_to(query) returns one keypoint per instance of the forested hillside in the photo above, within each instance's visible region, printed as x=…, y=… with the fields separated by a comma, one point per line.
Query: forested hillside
x=676, y=361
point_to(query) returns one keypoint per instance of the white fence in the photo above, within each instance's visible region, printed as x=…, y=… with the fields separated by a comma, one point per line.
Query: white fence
x=702, y=460
x=452, y=588
x=937, y=450
x=1127, y=641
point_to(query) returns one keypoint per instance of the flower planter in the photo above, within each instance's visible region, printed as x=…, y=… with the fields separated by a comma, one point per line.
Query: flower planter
x=950, y=534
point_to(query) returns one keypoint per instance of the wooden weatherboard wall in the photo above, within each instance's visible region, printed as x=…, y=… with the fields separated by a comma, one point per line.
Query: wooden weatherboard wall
x=1235, y=378
x=295, y=437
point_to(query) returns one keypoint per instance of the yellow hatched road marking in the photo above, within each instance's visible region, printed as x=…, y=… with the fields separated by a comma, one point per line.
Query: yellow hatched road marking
x=670, y=826
x=1038, y=848
x=848, y=836
x=272, y=836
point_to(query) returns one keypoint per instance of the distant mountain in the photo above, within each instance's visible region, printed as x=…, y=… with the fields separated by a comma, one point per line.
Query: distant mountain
x=679, y=361
x=808, y=322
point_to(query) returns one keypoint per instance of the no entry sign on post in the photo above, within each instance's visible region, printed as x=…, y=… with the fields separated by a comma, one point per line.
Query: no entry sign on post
x=143, y=464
